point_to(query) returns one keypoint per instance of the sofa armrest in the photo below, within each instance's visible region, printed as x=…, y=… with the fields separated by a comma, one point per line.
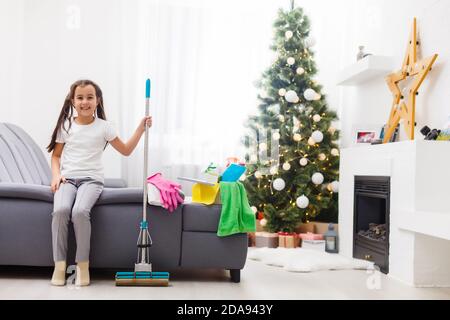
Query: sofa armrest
x=115, y=183
x=26, y=191
x=121, y=195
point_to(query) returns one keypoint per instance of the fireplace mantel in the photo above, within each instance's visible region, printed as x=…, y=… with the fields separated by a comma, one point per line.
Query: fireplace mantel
x=419, y=206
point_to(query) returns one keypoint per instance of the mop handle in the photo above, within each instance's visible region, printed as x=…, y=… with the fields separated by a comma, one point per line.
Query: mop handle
x=147, y=108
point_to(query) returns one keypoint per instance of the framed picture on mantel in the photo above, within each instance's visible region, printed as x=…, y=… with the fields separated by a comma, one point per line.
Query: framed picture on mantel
x=365, y=136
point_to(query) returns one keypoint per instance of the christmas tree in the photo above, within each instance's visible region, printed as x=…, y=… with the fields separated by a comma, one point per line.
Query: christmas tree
x=292, y=152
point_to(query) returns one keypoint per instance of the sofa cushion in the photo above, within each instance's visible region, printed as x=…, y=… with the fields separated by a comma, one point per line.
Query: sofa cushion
x=201, y=217
x=21, y=160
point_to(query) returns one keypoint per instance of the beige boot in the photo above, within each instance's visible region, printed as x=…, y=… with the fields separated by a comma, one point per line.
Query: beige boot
x=59, y=274
x=82, y=278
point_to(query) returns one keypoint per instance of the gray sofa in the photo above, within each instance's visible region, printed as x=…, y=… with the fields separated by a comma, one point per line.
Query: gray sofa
x=185, y=238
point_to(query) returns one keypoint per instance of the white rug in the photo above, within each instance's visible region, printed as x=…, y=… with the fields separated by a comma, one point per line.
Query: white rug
x=305, y=260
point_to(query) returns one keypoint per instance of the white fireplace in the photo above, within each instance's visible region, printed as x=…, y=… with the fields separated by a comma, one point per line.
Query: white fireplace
x=419, y=236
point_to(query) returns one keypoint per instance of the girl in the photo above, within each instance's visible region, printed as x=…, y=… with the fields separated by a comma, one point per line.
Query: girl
x=77, y=172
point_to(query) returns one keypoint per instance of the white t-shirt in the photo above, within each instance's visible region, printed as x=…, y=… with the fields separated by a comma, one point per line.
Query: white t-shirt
x=83, y=149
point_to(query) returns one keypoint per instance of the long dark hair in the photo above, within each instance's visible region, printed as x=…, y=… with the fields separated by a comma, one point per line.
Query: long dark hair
x=67, y=109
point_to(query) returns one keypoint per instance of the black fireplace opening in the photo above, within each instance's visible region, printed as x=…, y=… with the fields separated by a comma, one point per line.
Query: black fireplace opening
x=371, y=220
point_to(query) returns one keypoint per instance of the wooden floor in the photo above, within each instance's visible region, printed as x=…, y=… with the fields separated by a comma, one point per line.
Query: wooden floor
x=258, y=281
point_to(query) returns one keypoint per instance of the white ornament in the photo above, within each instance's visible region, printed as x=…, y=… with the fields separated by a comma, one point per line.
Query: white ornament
x=297, y=137
x=263, y=222
x=279, y=184
x=332, y=130
x=311, y=141
x=282, y=92
x=242, y=178
x=286, y=166
x=258, y=175
x=273, y=170
x=254, y=209
x=317, y=118
x=335, y=186
x=310, y=42
x=317, y=178
x=317, y=97
x=291, y=96
x=334, y=152
x=290, y=61
x=302, y=202
x=262, y=146
x=275, y=108
x=276, y=136
x=281, y=118
x=303, y=162
x=309, y=94
x=317, y=136
x=300, y=71
x=322, y=156
x=288, y=34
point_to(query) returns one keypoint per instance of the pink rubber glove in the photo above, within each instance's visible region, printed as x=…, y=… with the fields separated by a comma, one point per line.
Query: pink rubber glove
x=169, y=191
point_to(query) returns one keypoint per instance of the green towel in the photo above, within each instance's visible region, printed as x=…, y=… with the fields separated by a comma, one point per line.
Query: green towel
x=236, y=215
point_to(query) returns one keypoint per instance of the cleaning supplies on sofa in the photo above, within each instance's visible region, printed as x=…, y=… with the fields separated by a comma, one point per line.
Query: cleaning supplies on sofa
x=170, y=194
x=236, y=215
x=209, y=176
x=232, y=173
x=205, y=194
x=154, y=196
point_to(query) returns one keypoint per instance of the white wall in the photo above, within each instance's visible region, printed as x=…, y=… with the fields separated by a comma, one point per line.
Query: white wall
x=42, y=54
x=384, y=27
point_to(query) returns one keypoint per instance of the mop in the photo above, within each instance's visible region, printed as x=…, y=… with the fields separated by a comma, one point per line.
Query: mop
x=143, y=275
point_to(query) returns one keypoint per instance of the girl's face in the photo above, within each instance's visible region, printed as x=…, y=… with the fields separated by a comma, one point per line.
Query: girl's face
x=85, y=101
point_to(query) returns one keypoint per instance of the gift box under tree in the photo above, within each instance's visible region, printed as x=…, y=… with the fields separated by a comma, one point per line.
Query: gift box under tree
x=287, y=240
